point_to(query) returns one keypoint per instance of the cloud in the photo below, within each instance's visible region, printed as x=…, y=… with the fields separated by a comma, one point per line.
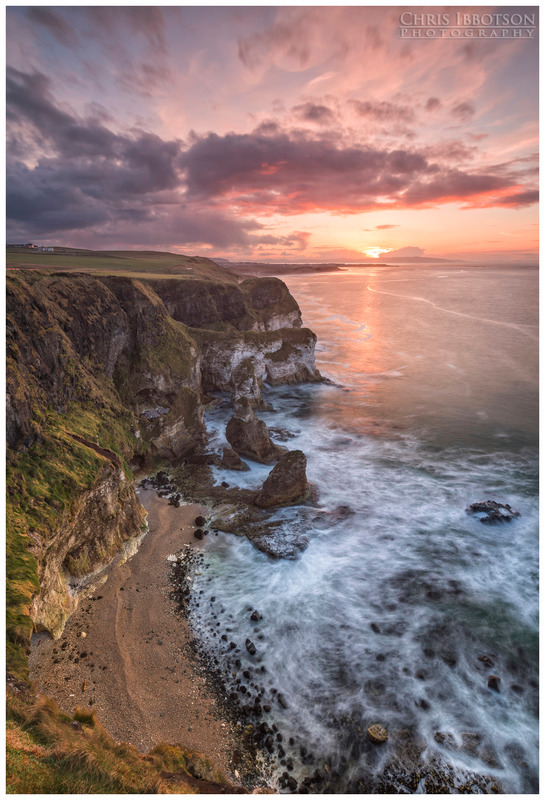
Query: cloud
x=313, y=112
x=290, y=174
x=57, y=26
x=519, y=199
x=68, y=172
x=145, y=21
x=382, y=110
x=90, y=178
x=298, y=240
x=463, y=111
x=381, y=228
x=432, y=103
x=408, y=252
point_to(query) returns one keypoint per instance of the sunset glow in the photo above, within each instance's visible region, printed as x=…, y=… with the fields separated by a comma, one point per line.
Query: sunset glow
x=376, y=252
x=280, y=138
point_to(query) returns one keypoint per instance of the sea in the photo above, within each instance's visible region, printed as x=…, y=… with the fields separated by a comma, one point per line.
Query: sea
x=399, y=606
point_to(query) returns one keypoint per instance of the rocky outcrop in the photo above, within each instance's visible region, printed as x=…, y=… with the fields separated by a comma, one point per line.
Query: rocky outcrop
x=259, y=304
x=249, y=436
x=286, y=483
x=490, y=512
x=232, y=460
x=277, y=357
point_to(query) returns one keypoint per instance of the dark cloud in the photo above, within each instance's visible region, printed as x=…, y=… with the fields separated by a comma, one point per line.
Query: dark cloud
x=267, y=128
x=451, y=150
x=308, y=171
x=298, y=240
x=313, y=112
x=432, y=103
x=463, y=111
x=520, y=198
x=291, y=174
x=93, y=178
x=57, y=26
x=290, y=40
x=455, y=185
x=84, y=176
x=146, y=21
x=382, y=110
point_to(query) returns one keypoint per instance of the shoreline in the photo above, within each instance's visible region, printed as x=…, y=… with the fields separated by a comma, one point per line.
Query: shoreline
x=127, y=653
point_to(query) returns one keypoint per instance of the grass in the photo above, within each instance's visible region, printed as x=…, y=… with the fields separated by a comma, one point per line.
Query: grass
x=130, y=263
x=43, y=483
x=50, y=752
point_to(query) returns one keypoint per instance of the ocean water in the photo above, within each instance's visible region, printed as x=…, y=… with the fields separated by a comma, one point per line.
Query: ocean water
x=387, y=614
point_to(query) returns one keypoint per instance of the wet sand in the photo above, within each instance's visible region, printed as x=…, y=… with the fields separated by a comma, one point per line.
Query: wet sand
x=126, y=652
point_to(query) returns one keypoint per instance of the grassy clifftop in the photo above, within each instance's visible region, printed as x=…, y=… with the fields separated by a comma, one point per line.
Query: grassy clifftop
x=131, y=263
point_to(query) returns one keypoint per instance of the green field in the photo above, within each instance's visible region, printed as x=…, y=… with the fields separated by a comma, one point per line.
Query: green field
x=130, y=263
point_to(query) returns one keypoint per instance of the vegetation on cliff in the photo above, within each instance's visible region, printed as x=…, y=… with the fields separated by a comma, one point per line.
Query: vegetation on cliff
x=103, y=372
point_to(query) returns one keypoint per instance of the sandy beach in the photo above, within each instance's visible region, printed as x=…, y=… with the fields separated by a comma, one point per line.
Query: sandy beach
x=126, y=652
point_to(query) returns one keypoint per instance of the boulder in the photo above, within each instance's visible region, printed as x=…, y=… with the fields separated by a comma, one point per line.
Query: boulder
x=377, y=733
x=489, y=512
x=232, y=460
x=249, y=436
x=286, y=483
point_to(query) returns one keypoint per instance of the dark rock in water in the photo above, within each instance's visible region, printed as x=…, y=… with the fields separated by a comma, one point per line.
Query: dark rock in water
x=282, y=701
x=291, y=783
x=225, y=484
x=250, y=647
x=161, y=479
x=255, y=616
x=489, y=512
x=200, y=522
x=278, y=540
x=282, y=434
x=286, y=483
x=494, y=683
x=342, y=512
x=249, y=436
x=232, y=460
x=198, y=533
x=375, y=628
x=486, y=660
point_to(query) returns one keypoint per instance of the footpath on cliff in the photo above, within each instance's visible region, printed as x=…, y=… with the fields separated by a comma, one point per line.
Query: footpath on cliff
x=126, y=652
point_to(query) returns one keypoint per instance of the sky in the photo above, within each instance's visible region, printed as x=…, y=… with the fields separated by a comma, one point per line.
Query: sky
x=270, y=133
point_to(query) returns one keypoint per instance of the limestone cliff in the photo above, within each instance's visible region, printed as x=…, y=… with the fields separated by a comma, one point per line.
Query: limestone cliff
x=107, y=371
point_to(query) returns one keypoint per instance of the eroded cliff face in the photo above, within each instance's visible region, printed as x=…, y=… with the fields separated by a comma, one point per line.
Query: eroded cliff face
x=102, y=371
x=260, y=304
x=242, y=363
x=87, y=538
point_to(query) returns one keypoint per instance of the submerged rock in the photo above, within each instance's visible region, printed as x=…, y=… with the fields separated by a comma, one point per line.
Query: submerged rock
x=232, y=460
x=489, y=512
x=286, y=483
x=249, y=436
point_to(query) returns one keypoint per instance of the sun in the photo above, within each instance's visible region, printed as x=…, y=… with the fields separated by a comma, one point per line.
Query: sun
x=376, y=252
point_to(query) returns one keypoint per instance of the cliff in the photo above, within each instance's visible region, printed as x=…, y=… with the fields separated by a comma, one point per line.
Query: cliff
x=104, y=372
